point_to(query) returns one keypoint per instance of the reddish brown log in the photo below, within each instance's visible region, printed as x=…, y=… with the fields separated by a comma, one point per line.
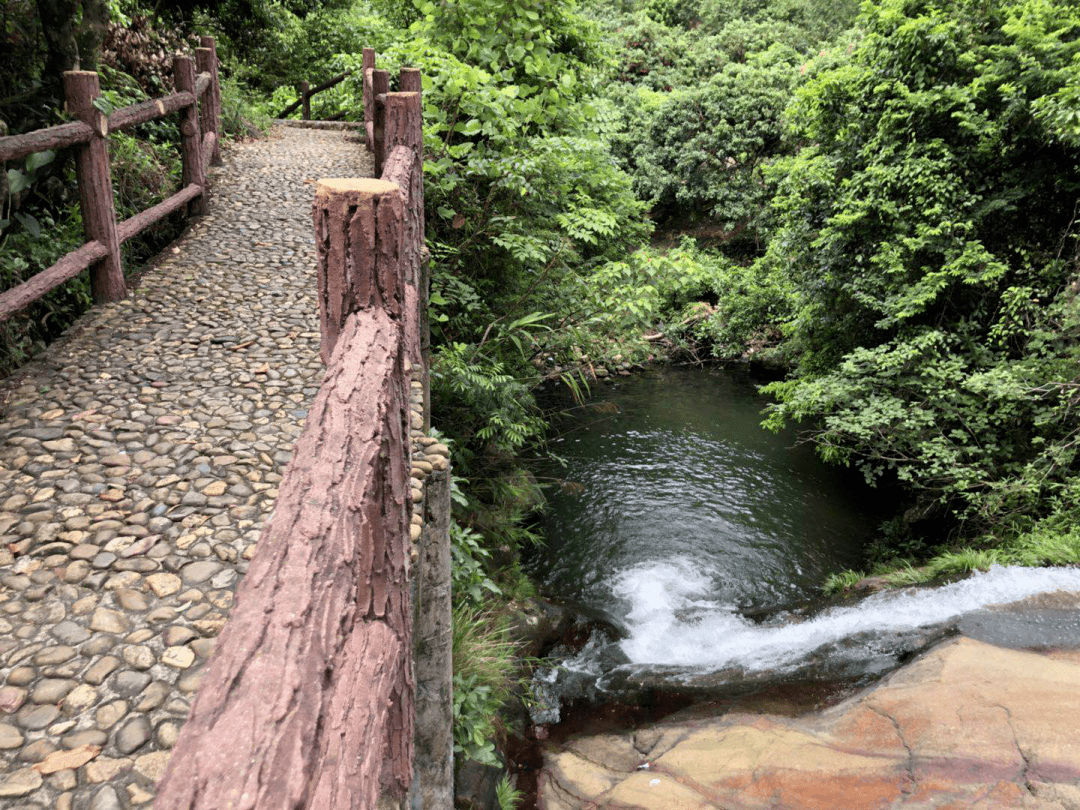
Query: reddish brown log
x=95, y=186
x=305, y=100
x=404, y=126
x=358, y=245
x=209, y=146
x=21, y=296
x=149, y=110
x=367, y=64
x=404, y=135
x=380, y=86
x=13, y=147
x=140, y=222
x=207, y=62
x=410, y=80
x=289, y=714
x=202, y=84
x=398, y=168
x=194, y=172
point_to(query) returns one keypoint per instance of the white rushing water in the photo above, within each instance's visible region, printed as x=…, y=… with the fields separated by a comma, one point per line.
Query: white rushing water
x=672, y=621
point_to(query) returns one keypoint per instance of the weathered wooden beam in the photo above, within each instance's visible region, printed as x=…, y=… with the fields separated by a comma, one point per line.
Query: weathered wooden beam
x=95, y=186
x=22, y=295
x=209, y=145
x=433, y=783
x=202, y=84
x=305, y=99
x=404, y=136
x=410, y=80
x=194, y=170
x=380, y=86
x=367, y=65
x=330, y=82
x=13, y=147
x=398, y=168
x=291, y=108
x=358, y=231
x=135, y=225
x=149, y=110
x=210, y=110
x=295, y=708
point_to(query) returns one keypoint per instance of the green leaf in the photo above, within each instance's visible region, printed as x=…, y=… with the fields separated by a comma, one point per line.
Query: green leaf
x=17, y=181
x=31, y=224
x=39, y=159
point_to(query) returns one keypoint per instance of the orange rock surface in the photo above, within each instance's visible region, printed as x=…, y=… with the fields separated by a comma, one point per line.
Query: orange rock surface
x=967, y=725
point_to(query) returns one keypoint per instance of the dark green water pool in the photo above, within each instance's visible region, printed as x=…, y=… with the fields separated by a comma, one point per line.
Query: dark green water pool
x=674, y=500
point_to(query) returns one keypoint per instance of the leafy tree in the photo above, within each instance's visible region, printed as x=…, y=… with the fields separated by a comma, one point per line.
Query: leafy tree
x=699, y=152
x=929, y=224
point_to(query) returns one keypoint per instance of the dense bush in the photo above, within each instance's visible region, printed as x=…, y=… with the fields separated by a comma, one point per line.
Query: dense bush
x=698, y=152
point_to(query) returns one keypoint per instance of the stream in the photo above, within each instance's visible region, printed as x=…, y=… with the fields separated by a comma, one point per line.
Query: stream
x=698, y=543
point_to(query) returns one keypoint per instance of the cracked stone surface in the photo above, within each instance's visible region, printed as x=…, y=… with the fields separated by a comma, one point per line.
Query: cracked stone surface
x=967, y=725
x=138, y=463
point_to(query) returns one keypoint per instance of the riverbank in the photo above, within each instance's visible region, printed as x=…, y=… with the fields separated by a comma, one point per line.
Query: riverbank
x=969, y=724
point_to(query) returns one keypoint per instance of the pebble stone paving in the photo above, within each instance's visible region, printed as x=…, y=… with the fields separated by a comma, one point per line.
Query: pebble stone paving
x=138, y=463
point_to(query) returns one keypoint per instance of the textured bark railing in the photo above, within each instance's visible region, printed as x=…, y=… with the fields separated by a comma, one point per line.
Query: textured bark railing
x=308, y=701
x=89, y=135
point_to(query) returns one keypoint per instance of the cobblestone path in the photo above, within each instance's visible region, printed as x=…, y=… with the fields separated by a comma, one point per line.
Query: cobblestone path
x=138, y=464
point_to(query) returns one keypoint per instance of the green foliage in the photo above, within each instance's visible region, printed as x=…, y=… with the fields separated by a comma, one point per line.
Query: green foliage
x=484, y=673
x=842, y=581
x=507, y=796
x=937, y=318
x=481, y=401
x=700, y=150
x=470, y=582
x=23, y=254
x=242, y=116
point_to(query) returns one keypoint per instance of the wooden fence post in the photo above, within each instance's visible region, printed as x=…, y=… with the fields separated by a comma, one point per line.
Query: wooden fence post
x=81, y=88
x=433, y=776
x=368, y=63
x=305, y=100
x=358, y=233
x=410, y=80
x=207, y=62
x=190, y=136
x=380, y=86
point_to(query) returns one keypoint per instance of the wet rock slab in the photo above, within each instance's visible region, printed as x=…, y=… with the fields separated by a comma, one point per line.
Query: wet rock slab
x=138, y=463
x=966, y=725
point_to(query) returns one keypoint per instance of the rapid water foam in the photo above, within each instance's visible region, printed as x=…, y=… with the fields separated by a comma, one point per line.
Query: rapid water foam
x=672, y=622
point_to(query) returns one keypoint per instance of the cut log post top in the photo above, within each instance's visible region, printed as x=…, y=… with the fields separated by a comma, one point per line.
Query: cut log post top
x=358, y=232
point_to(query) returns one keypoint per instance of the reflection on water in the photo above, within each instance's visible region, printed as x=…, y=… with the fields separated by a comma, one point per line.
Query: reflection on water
x=682, y=489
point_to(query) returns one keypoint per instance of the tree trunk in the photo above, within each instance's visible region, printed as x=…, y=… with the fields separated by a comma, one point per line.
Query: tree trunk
x=58, y=25
x=95, y=22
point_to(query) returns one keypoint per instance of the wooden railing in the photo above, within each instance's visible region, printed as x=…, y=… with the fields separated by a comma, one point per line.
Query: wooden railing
x=197, y=99
x=308, y=701
x=306, y=91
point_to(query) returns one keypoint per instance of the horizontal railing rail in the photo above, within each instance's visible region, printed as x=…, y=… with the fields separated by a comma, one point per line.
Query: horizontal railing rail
x=197, y=99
